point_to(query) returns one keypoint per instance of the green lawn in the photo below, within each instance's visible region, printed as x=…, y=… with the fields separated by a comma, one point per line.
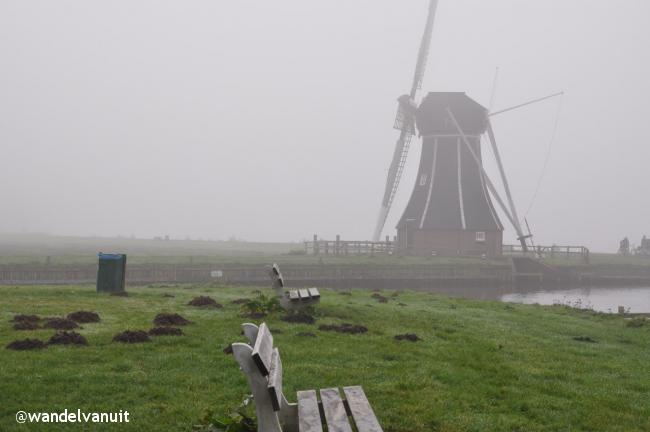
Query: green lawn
x=481, y=366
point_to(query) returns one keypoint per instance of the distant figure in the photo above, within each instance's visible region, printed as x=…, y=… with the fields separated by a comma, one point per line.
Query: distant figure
x=644, y=249
x=624, y=247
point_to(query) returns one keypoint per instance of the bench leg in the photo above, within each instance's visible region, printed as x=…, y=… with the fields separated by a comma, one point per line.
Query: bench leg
x=288, y=415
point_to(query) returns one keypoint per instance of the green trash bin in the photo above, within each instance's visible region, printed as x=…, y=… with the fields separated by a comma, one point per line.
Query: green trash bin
x=111, y=273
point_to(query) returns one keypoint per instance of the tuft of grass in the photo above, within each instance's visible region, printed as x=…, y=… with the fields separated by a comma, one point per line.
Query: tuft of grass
x=636, y=322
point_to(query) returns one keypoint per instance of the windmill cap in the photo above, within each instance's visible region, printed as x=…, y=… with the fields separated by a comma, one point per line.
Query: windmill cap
x=432, y=117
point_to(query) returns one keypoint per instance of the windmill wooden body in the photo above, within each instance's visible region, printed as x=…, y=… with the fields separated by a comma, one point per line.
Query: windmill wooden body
x=450, y=211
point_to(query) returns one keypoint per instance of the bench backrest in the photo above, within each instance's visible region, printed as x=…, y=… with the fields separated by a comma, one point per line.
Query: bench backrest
x=261, y=363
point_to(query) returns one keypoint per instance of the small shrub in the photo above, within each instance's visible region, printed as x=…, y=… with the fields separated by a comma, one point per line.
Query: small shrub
x=260, y=306
x=240, y=419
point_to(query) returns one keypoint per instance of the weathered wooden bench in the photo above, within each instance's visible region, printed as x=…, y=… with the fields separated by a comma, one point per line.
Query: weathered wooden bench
x=261, y=364
x=297, y=297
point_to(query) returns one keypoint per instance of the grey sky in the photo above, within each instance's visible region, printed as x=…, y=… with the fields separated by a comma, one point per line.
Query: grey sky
x=272, y=120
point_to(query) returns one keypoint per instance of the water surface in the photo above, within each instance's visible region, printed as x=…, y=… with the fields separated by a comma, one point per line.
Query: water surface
x=603, y=299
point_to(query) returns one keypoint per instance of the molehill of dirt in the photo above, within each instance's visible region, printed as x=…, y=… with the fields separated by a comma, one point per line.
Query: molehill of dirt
x=585, y=339
x=240, y=301
x=67, y=338
x=380, y=298
x=60, y=324
x=26, y=318
x=83, y=317
x=120, y=294
x=167, y=319
x=132, y=336
x=26, y=325
x=165, y=331
x=253, y=315
x=299, y=317
x=343, y=328
x=204, y=301
x=26, y=344
x=411, y=337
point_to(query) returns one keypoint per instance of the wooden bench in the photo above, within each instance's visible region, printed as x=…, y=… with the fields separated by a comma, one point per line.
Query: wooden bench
x=260, y=361
x=297, y=297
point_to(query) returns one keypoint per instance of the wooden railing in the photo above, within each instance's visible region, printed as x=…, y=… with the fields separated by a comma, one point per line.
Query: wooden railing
x=549, y=252
x=348, y=247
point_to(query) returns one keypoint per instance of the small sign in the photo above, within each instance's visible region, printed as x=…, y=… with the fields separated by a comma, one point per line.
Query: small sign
x=216, y=273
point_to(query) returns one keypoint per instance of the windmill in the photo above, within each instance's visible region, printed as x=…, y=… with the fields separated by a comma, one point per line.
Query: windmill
x=450, y=210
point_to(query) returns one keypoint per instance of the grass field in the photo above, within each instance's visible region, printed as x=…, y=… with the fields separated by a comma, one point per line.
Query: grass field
x=480, y=366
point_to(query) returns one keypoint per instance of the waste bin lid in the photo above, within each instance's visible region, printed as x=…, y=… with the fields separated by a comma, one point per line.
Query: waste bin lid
x=103, y=256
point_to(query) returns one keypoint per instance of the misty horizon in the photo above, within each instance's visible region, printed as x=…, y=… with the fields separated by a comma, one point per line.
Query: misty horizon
x=273, y=122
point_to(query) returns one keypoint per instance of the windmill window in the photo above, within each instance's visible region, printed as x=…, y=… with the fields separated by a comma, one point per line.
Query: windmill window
x=480, y=236
x=423, y=179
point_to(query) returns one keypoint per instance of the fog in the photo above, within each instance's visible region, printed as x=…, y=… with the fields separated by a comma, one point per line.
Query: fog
x=272, y=120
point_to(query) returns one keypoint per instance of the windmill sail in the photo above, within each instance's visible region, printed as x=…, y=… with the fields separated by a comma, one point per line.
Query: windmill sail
x=405, y=123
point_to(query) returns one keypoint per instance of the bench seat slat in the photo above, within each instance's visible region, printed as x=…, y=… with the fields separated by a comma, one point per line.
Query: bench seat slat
x=335, y=415
x=362, y=413
x=314, y=292
x=308, y=414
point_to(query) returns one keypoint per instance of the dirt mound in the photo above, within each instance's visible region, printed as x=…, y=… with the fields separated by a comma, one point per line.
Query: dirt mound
x=167, y=319
x=120, y=294
x=401, y=304
x=411, y=337
x=585, y=339
x=132, y=336
x=240, y=301
x=254, y=315
x=299, y=317
x=67, y=338
x=204, y=301
x=83, y=317
x=166, y=331
x=343, y=328
x=60, y=324
x=26, y=344
x=380, y=298
x=306, y=334
x=26, y=318
x=26, y=325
